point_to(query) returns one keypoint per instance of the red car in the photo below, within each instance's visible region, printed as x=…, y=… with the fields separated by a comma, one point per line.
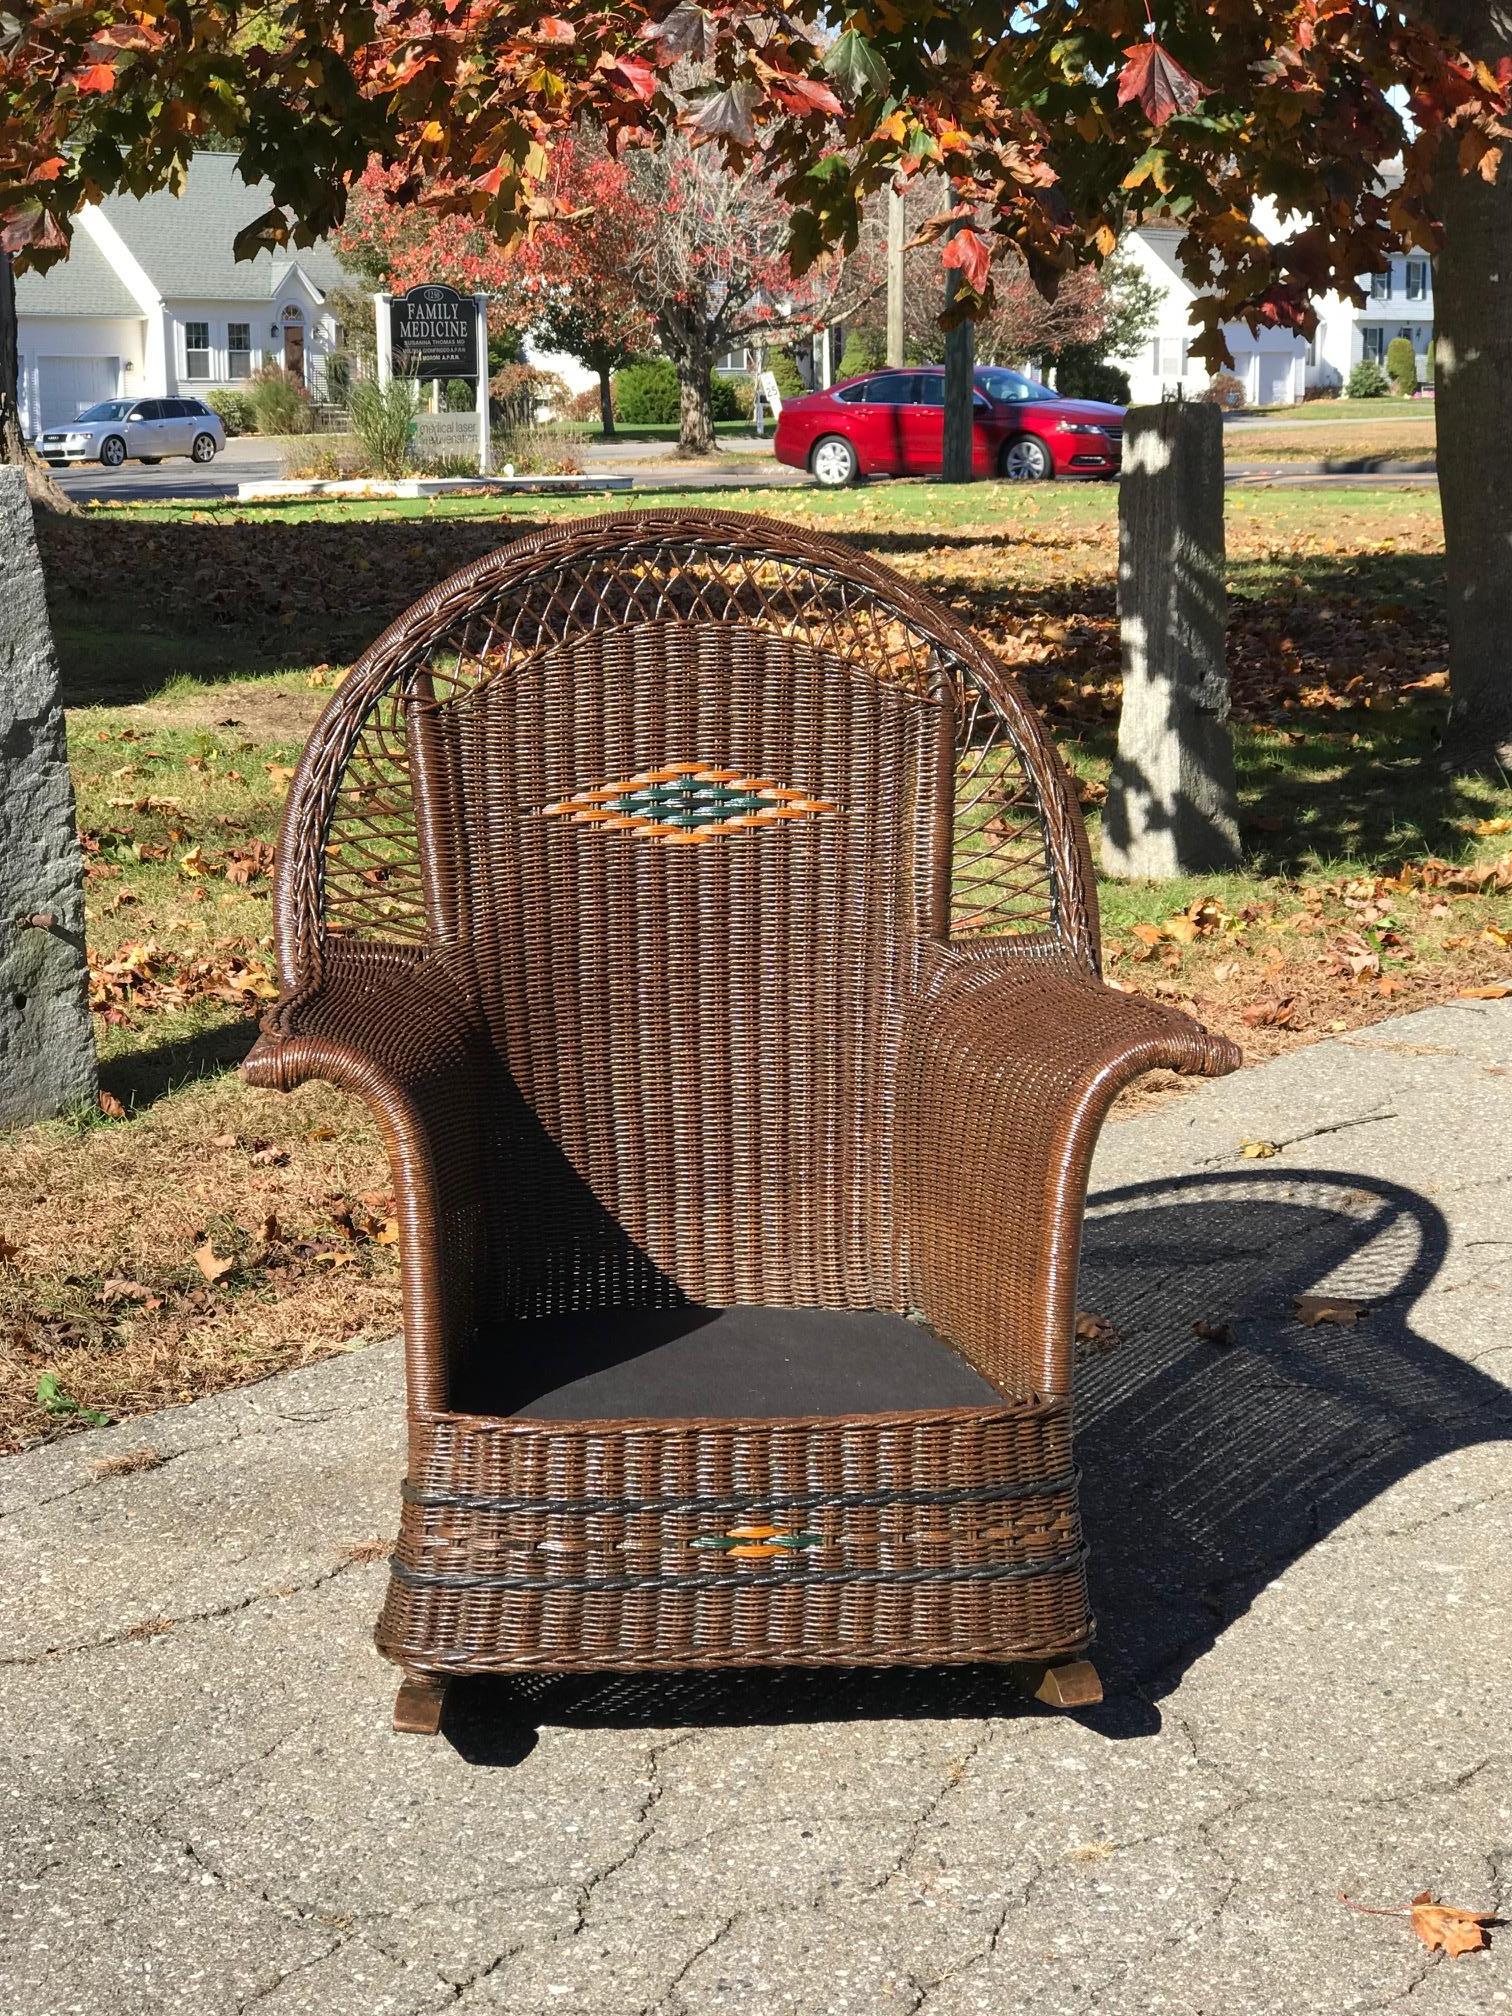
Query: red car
x=891, y=423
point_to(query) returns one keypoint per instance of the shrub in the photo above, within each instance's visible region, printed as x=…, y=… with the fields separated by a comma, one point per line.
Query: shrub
x=789, y=380
x=328, y=459
x=1368, y=380
x=235, y=410
x=744, y=389
x=583, y=407
x=446, y=465
x=645, y=393
x=1090, y=378
x=1401, y=365
x=1225, y=390
x=864, y=351
x=532, y=450
x=517, y=392
x=279, y=403
x=383, y=419
x=460, y=396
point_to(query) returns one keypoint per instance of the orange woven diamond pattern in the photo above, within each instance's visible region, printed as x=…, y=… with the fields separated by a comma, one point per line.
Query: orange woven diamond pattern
x=687, y=804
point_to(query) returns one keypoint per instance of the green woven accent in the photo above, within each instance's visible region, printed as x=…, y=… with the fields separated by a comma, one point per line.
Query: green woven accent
x=684, y=803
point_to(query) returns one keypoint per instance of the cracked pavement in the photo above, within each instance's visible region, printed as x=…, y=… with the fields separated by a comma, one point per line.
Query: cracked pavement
x=1300, y=1553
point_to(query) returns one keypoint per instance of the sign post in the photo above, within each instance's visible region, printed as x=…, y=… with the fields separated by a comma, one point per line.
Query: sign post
x=435, y=332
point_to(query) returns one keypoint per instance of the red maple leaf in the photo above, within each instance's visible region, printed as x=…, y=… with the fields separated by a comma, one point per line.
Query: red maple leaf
x=1157, y=80
x=98, y=77
x=968, y=251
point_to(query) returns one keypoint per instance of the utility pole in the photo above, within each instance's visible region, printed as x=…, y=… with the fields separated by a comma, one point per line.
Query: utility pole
x=895, y=277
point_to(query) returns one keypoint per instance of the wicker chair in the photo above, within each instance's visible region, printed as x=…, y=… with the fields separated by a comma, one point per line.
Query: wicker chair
x=708, y=919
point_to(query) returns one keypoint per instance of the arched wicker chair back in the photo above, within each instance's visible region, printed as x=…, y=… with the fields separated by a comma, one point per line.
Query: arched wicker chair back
x=692, y=806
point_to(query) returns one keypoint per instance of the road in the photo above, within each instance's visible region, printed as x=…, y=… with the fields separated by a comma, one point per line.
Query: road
x=248, y=460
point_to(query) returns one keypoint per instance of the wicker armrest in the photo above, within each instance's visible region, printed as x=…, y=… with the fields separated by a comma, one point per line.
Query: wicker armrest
x=398, y=1033
x=1009, y=1067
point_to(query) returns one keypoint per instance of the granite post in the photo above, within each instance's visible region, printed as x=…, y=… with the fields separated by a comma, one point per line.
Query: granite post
x=47, y=1055
x=1171, y=807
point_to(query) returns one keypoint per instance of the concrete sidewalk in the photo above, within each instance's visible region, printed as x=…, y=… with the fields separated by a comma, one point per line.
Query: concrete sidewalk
x=1301, y=1545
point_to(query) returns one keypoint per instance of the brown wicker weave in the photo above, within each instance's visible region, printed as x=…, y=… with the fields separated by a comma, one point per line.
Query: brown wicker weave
x=708, y=919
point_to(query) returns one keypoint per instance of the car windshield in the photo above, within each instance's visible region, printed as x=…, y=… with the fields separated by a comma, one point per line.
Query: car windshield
x=1011, y=388
x=108, y=409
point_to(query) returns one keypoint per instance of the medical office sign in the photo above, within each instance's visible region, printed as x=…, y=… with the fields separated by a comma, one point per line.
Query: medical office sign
x=433, y=333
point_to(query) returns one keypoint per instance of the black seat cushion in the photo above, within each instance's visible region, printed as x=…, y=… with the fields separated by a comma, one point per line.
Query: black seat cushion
x=746, y=1363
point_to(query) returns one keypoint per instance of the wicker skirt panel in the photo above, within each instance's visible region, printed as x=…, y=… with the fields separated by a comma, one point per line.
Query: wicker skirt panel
x=931, y=1537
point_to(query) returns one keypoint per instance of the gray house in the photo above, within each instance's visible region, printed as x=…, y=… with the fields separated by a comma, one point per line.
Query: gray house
x=150, y=301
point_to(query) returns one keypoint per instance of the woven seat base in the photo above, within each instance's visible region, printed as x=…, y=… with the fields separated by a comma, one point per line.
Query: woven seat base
x=925, y=1535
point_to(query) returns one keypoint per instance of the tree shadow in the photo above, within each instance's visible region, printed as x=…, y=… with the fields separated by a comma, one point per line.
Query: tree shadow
x=1208, y=1468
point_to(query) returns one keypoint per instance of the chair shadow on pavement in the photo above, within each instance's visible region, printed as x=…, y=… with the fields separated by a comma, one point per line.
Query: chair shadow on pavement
x=1208, y=1467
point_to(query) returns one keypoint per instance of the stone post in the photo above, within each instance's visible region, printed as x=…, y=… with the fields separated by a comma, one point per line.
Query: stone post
x=47, y=1058
x=1171, y=807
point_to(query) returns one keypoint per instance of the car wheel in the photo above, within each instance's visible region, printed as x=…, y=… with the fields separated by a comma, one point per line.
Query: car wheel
x=112, y=451
x=1025, y=460
x=204, y=448
x=834, y=462
x=151, y=461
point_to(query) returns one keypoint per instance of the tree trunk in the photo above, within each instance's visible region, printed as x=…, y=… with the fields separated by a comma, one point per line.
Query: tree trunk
x=960, y=388
x=695, y=431
x=13, y=449
x=606, y=403
x=1473, y=410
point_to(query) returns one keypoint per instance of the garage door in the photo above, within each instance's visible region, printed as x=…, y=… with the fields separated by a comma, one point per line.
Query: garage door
x=1275, y=379
x=64, y=384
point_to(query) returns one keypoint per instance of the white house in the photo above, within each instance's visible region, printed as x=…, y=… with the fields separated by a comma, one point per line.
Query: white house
x=1272, y=366
x=150, y=301
x=1277, y=368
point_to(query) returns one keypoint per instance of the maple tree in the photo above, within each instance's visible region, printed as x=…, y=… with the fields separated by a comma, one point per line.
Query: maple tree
x=398, y=246
x=1056, y=126
x=574, y=272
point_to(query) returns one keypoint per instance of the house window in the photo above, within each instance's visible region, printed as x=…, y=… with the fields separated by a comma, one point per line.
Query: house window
x=1380, y=286
x=1373, y=340
x=238, y=350
x=196, y=349
x=1419, y=280
x=1169, y=355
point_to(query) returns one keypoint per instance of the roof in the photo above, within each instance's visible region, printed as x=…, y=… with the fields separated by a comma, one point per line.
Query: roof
x=84, y=283
x=183, y=243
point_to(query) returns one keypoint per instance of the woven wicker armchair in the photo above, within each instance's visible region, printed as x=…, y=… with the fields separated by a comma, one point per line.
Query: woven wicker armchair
x=708, y=919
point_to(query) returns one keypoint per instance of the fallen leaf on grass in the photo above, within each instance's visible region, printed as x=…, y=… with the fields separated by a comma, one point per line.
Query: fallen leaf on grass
x=1497, y=992
x=111, y=1107
x=1443, y=1928
x=211, y=1265
x=266, y=1156
x=1259, y=1151
x=8, y=1252
x=388, y=1233
x=1311, y=1310
x=1485, y=828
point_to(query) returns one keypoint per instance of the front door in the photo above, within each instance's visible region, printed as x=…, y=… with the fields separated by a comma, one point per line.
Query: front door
x=293, y=339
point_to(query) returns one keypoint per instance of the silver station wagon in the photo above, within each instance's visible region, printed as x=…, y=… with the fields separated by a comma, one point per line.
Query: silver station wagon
x=135, y=430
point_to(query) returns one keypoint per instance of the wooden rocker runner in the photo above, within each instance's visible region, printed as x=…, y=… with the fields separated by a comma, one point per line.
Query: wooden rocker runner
x=710, y=923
